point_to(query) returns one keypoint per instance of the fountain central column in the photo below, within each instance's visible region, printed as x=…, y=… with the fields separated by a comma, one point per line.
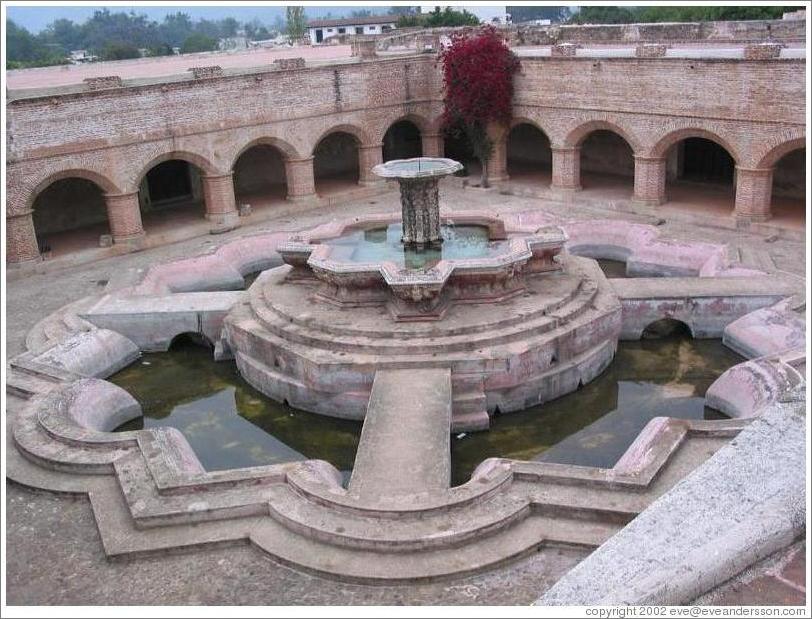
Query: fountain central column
x=420, y=205
x=419, y=195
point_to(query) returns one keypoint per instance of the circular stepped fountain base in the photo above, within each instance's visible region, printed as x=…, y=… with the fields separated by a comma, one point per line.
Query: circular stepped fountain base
x=560, y=333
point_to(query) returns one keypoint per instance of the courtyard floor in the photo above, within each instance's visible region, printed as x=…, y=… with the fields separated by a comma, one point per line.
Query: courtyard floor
x=54, y=550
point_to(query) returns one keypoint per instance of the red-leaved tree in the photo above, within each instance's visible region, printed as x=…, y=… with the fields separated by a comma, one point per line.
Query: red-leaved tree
x=478, y=70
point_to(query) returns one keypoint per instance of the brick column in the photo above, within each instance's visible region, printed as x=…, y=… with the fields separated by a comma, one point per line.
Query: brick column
x=433, y=145
x=649, y=180
x=124, y=217
x=497, y=166
x=369, y=155
x=21, y=239
x=567, y=168
x=300, y=179
x=221, y=207
x=753, y=193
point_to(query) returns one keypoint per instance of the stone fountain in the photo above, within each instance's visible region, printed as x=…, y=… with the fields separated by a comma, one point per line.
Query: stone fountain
x=515, y=319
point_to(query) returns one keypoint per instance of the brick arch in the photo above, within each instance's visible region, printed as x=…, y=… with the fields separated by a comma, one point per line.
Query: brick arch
x=200, y=161
x=772, y=156
x=100, y=180
x=662, y=145
x=359, y=134
x=576, y=136
x=524, y=120
x=422, y=123
x=288, y=151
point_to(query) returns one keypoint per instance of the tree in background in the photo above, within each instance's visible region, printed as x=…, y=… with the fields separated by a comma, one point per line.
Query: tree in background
x=296, y=22
x=659, y=13
x=526, y=13
x=404, y=10
x=24, y=50
x=438, y=18
x=119, y=51
x=198, y=42
x=478, y=73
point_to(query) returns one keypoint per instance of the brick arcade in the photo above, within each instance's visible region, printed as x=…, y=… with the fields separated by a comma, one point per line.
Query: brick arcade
x=132, y=157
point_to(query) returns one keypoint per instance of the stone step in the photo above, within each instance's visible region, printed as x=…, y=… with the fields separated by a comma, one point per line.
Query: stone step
x=243, y=319
x=374, y=566
x=499, y=320
x=469, y=403
x=315, y=337
x=354, y=530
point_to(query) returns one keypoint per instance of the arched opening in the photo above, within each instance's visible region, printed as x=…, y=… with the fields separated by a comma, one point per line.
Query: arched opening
x=171, y=194
x=335, y=164
x=402, y=141
x=190, y=339
x=666, y=327
x=69, y=215
x=259, y=177
x=457, y=147
x=607, y=163
x=700, y=175
x=788, y=206
x=529, y=157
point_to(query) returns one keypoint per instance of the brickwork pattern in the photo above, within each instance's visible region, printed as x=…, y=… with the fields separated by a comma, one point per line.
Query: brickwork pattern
x=650, y=50
x=289, y=64
x=762, y=51
x=567, y=168
x=753, y=192
x=300, y=178
x=649, y=180
x=200, y=73
x=87, y=135
x=124, y=214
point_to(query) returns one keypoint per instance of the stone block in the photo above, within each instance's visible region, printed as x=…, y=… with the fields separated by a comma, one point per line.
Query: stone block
x=762, y=51
x=564, y=50
x=289, y=64
x=106, y=240
x=100, y=83
x=244, y=210
x=650, y=50
x=200, y=73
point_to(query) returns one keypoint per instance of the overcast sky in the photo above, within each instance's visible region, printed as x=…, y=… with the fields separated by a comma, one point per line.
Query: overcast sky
x=35, y=18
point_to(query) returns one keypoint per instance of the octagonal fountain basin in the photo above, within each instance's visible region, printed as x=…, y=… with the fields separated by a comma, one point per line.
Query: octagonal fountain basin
x=366, y=262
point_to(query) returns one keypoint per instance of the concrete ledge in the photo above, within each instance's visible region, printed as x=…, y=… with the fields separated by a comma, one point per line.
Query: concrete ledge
x=743, y=504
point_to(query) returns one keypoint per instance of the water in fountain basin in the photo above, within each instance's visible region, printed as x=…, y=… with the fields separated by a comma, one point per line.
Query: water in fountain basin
x=231, y=425
x=384, y=244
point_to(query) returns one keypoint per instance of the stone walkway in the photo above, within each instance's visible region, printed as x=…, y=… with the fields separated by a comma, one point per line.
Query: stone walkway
x=57, y=556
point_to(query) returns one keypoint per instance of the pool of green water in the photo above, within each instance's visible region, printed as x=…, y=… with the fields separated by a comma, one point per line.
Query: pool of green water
x=593, y=426
x=231, y=425
x=227, y=422
x=384, y=244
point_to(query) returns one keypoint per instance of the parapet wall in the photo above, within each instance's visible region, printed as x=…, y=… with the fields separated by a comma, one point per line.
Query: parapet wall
x=683, y=32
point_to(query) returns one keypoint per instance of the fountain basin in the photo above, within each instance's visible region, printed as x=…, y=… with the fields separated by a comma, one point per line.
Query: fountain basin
x=489, y=268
